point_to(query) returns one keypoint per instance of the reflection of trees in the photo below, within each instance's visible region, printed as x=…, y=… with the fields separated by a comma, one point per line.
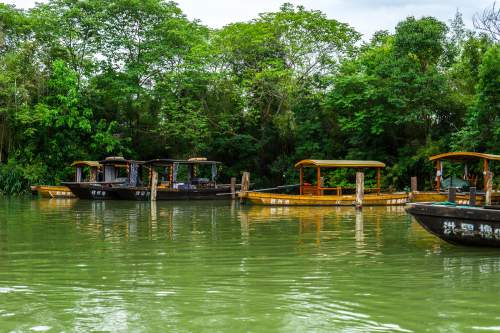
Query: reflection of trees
x=181, y=264
x=313, y=219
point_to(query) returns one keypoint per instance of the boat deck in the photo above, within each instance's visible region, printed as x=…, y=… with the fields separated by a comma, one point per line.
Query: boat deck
x=275, y=199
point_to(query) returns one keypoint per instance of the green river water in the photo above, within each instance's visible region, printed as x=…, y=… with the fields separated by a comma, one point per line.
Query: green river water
x=86, y=266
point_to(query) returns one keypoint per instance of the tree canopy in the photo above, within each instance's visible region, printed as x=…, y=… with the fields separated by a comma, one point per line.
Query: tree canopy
x=88, y=79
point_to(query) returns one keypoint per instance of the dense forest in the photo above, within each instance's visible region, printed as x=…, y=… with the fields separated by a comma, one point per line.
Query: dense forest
x=82, y=80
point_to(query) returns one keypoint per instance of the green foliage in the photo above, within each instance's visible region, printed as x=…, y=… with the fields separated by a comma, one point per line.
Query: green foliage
x=88, y=79
x=482, y=130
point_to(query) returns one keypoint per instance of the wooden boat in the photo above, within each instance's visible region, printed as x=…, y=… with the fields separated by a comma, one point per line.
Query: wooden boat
x=52, y=191
x=117, y=172
x=464, y=225
x=171, y=187
x=318, y=194
x=473, y=180
x=83, y=169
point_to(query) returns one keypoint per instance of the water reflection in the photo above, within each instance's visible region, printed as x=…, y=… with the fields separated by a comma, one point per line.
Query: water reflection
x=184, y=266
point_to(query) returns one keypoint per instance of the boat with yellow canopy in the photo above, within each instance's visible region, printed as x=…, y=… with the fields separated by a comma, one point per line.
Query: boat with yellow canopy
x=477, y=170
x=320, y=195
x=85, y=171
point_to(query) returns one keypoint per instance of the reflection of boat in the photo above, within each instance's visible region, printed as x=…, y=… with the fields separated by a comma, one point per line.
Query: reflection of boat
x=54, y=204
x=318, y=194
x=84, y=171
x=117, y=171
x=459, y=224
x=257, y=214
x=198, y=183
x=470, y=179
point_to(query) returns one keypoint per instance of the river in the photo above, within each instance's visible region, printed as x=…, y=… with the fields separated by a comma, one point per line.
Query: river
x=115, y=266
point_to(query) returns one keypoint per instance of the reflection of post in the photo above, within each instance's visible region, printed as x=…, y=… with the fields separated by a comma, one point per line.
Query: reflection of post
x=154, y=184
x=233, y=207
x=245, y=228
x=359, y=228
x=153, y=211
x=489, y=188
x=319, y=223
x=360, y=189
x=171, y=224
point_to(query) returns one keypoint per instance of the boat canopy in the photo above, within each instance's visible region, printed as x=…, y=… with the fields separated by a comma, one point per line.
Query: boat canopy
x=191, y=161
x=92, y=164
x=168, y=162
x=462, y=156
x=339, y=164
x=119, y=161
x=160, y=162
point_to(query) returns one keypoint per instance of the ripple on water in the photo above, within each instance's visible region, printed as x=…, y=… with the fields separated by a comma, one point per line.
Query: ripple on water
x=116, y=266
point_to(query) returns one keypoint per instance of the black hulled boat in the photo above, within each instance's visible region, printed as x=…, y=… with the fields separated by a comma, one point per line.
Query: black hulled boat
x=193, y=179
x=117, y=172
x=464, y=225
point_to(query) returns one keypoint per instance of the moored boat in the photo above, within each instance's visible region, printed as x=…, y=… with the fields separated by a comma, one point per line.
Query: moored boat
x=278, y=199
x=192, y=179
x=117, y=172
x=456, y=224
x=84, y=171
x=52, y=191
x=477, y=168
x=320, y=195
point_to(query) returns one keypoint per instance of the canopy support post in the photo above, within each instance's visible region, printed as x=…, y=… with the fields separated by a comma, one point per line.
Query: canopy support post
x=154, y=184
x=489, y=188
x=78, y=176
x=360, y=189
x=486, y=175
x=378, y=180
x=318, y=180
x=301, y=176
x=438, y=176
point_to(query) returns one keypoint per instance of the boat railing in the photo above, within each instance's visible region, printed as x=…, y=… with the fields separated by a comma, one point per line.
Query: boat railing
x=314, y=190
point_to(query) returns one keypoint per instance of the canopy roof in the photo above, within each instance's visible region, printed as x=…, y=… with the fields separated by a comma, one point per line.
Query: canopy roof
x=197, y=162
x=168, y=161
x=339, y=164
x=118, y=160
x=160, y=162
x=461, y=156
x=94, y=164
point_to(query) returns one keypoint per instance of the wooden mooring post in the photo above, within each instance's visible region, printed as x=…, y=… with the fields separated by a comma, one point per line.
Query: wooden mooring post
x=245, y=183
x=414, y=184
x=154, y=184
x=452, y=194
x=472, y=196
x=489, y=188
x=360, y=189
x=233, y=188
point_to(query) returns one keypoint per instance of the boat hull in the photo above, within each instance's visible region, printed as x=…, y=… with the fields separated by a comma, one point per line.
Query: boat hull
x=144, y=193
x=91, y=191
x=461, y=198
x=274, y=199
x=47, y=191
x=459, y=224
